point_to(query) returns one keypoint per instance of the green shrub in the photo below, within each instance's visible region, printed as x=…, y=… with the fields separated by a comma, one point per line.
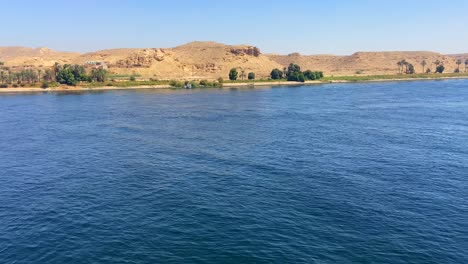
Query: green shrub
x=194, y=84
x=220, y=80
x=301, y=77
x=132, y=78
x=293, y=68
x=66, y=76
x=54, y=84
x=208, y=84
x=15, y=85
x=233, y=74
x=310, y=75
x=44, y=85
x=99, y=75
x=3, y=85
x=276, y=74
x=251, y=76
x=440, y=69
x=177, y=84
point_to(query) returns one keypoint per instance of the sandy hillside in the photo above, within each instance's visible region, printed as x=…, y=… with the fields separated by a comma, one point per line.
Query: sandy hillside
x=193, y=60
x=20, y=56
x=366, y=62
x=211, y=60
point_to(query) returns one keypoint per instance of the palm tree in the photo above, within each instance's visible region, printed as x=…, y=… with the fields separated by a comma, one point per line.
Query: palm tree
x=466, y=64
x=423, y=64
x=2, y=76
x=48, y=75
x=436, y=63
x=399, y=63
x=405, y=63
x=57, y=68
x=39, y=75
x=458, y=64
x=242, y=74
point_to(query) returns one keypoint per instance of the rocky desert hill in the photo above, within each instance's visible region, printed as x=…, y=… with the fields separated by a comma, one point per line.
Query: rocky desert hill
x=198, y=60
x=462, y=56
x=366, y=62
x=192, y=61
x=23, y=56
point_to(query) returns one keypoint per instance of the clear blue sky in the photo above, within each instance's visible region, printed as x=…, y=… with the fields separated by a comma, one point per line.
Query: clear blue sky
x=305, y=26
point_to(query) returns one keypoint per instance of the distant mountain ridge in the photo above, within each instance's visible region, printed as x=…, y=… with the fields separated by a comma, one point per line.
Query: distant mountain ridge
x=197, y=60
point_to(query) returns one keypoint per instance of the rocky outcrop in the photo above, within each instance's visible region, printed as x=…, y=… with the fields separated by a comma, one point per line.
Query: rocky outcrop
x=207, y=67
x=248, y=50
x=143, y=58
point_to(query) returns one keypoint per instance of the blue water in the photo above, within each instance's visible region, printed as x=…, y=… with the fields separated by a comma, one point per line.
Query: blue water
x=338, y=173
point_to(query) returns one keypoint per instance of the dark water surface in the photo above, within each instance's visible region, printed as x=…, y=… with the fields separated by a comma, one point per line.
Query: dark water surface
x=348, y=173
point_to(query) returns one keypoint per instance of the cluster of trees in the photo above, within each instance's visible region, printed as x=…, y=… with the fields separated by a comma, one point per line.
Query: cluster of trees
x=408, y=68
x=72, y=74
x=234, y=75
x=439, y=67
x=293, y=73
x=195, y=84
x=459, y=62
x=405, y=67
x=66, y=74
x=24, y=76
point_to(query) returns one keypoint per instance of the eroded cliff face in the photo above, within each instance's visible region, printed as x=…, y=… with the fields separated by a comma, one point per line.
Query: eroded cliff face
x=143, y=58
x=248, y=50
x=192, y=60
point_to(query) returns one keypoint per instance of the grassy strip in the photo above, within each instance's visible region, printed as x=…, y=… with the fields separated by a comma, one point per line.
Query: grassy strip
x=112, y=76
x=214, y=84
x=256, y=81
x=125, y=84
x=363, y=78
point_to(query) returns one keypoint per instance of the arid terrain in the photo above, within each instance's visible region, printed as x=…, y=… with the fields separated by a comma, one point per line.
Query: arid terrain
x=211, y=60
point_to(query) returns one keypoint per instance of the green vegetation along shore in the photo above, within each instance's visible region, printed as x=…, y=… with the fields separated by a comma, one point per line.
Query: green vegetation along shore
x=165, y=84
x=396, y=77
x=76, y=78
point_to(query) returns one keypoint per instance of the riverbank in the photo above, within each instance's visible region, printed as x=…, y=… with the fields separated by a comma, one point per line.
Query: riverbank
x=138, y=87
x=332, y=79
x=78, y=89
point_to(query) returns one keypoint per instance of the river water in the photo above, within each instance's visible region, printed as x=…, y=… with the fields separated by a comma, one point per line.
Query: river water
x=336, y=173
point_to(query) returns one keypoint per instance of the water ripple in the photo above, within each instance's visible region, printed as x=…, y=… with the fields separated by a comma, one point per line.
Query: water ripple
x=340, y=173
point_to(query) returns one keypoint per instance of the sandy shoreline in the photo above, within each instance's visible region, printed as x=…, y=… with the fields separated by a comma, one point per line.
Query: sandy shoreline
x=225, y=85
x=78, y=89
